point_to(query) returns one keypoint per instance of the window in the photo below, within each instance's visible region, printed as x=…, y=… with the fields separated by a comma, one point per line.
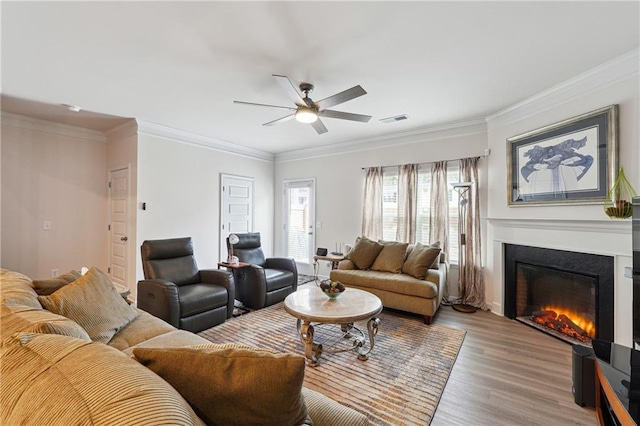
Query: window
x=389, y=203
x=298, y=219
x=423, y=205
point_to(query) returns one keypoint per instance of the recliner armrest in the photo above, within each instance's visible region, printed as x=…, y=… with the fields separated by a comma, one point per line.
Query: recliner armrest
x=223, y=278
x=281, y=263
x=160, y=298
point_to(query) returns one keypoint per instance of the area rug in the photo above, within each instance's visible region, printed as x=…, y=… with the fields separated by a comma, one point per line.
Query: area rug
x=401, y=382
x=302, y=279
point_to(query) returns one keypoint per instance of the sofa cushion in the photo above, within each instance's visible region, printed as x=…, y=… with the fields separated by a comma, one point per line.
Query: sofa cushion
x=172, y=339
x=396, y=283
x=233, y=385
x=93, y=302
x=420, y=260
x=17, y=318
x=364, y=252
x=47, y=286
x=141, y=329
x=17, y=290
x=338, y=414
x=390, y=258
x=98, y=385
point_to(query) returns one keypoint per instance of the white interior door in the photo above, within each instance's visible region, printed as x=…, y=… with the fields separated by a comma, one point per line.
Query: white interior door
x=236, y=208
x=119, y=226
x=299, y=220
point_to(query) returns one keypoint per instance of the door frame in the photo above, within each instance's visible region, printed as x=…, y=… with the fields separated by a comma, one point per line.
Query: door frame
x=130, y=257
x=222, y=243
x=312, y=213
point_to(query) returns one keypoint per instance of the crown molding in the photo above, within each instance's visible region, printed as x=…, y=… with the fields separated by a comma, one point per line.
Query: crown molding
x=176, y=135
x=617, y=70
x=432, y=133
x=50, y=127
x=130, y=128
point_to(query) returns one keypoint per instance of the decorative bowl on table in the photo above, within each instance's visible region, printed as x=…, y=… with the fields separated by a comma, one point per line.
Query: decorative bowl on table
x=332, y=289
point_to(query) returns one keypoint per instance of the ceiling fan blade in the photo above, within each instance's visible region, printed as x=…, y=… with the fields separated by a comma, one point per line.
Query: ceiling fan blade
x=319, y=126
x=341, y=97
x=345, y=115
x=264, y=105
x=291, y=90
x=280, y=120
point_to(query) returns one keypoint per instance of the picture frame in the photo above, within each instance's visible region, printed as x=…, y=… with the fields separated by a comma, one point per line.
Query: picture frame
x=572, y=161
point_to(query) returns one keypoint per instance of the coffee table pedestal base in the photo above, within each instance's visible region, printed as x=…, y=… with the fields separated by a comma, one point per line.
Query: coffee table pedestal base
x=314, y=348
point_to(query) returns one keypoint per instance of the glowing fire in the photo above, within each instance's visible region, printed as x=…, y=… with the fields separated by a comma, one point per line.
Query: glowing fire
x=588, y=326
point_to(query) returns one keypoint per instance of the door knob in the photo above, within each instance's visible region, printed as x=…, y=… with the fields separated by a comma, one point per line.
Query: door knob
x=123, y=238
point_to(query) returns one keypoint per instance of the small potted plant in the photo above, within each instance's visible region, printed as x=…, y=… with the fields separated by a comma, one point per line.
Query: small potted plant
x=618, y=202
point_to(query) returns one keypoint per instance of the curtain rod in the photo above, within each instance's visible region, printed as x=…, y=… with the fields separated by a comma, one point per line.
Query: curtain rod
x=486, y=154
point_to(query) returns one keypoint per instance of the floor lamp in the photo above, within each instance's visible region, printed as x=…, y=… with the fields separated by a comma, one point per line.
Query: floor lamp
x=462, y=189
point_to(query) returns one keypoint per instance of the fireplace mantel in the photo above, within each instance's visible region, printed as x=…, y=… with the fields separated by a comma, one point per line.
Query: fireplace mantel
x=616, y=226
x=611, y=237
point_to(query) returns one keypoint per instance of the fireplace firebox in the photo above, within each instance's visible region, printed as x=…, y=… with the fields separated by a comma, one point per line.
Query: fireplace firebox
x=568, y=295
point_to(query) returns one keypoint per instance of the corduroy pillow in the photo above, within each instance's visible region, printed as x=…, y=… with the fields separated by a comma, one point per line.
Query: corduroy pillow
x=420, y=259
x=364, y=252
x=63, y=328
x=94, y=303
x=233, y=385
x=17, y=318
x=48, y=286
x=391, y=257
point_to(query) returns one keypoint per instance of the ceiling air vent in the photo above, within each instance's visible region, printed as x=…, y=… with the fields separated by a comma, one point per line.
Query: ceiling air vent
x=394, y=119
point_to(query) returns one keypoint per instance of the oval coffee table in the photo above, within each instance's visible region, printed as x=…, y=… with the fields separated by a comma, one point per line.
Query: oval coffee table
x=310, y=305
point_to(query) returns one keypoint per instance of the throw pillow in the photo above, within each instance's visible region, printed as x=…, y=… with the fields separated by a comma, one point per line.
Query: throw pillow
x=94, y=303
x=233, y=385
x=63, y=328
x=47, y=286
x=391, y=257
x=364, y=252
x=420, y=259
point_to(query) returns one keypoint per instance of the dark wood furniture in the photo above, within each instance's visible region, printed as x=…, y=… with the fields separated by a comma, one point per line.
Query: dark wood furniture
x=617, y=384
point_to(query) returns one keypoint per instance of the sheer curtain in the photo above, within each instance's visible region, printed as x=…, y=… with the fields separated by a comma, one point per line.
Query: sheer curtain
x=407, y=194
x=372, y=208
x=470, y=274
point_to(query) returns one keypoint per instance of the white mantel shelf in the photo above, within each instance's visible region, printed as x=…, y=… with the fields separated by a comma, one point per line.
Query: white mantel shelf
x=616, y=226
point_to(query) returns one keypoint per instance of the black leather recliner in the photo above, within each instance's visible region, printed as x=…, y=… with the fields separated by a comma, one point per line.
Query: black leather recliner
x=267, y=281
x=176, y=291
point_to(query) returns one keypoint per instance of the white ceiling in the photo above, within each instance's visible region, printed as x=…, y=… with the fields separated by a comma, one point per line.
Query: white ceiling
x=182, y=64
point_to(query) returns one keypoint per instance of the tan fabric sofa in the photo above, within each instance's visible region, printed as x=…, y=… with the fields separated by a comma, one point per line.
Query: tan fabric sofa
x=53, y=374
x=397, y=289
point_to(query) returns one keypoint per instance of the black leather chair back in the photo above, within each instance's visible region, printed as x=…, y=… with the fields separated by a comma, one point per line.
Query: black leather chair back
x=171, y=260
x=248, y=249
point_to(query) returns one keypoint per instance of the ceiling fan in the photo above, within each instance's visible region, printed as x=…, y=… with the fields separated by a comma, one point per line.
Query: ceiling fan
x=308, y=111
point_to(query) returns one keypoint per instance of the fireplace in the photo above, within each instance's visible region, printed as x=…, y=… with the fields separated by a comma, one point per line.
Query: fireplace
x=568, y=295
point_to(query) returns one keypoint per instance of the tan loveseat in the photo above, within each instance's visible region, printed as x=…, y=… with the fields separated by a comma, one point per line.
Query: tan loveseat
x=54, y=372
x=410, y=278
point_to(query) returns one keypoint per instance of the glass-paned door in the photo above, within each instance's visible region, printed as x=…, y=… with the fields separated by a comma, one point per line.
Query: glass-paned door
x=299, y=220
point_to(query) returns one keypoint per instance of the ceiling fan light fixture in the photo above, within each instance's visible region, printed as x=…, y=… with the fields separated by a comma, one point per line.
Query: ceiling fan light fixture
x=306, y=115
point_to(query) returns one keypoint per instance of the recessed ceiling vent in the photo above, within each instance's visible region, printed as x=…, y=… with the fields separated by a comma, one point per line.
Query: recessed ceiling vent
x=394, y=119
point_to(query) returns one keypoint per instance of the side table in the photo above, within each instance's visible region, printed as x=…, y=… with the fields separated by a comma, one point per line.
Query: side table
x=236, y=270
x=334, y=259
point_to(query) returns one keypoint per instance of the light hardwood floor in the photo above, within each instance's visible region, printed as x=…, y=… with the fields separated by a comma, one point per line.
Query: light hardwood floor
x=507, y=374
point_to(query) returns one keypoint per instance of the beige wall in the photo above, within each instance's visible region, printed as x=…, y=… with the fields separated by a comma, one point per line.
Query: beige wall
x=56, y=173
x=340, y=178
x=180, y=184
